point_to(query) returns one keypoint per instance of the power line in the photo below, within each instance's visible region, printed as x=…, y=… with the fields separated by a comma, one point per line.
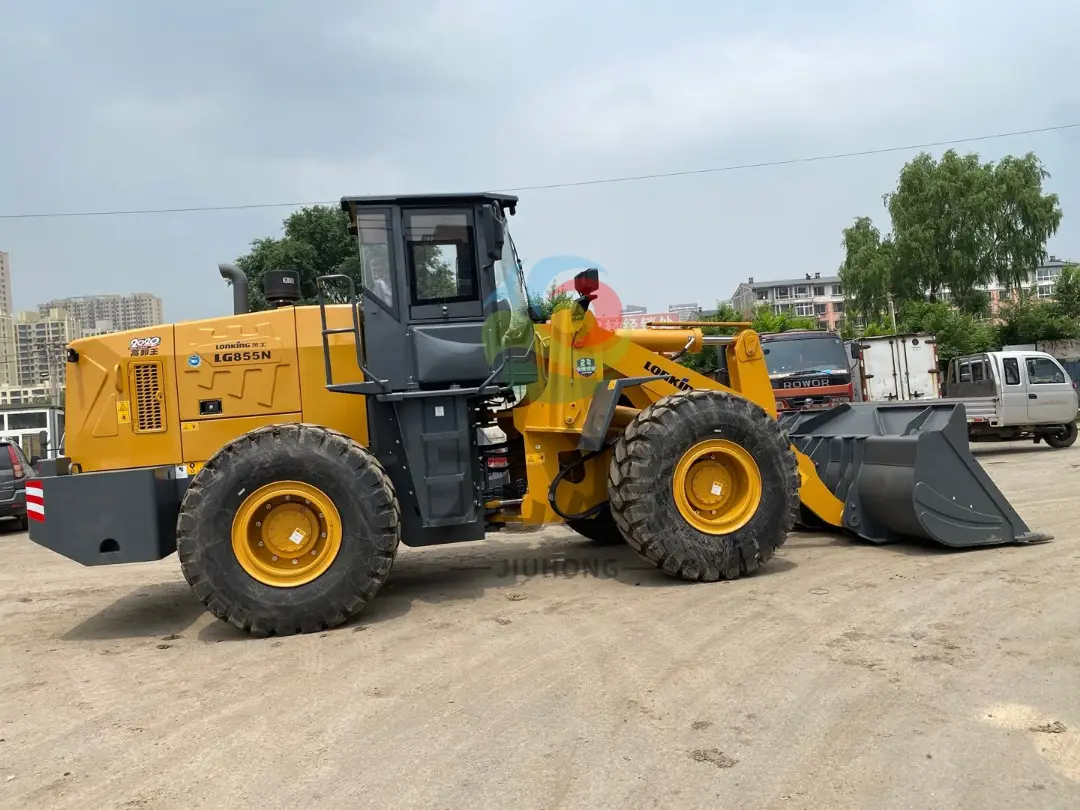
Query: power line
x=571, y=184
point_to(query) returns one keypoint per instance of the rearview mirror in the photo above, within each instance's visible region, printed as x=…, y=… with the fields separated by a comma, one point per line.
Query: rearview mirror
x=587, y=282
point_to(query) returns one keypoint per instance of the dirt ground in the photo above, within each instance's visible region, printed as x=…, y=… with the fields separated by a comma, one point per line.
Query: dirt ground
x=536, y=671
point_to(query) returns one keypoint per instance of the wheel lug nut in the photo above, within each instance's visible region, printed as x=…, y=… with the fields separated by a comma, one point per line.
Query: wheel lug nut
x=268, y=506
x=323, y=535
x=288, y=497
x=258, y=523
x=313, y=552
x=260, y=544
x=274, y=558
x=294, y=562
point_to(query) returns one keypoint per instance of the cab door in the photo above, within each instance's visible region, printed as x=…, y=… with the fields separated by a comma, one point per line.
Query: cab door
x=1049, y=393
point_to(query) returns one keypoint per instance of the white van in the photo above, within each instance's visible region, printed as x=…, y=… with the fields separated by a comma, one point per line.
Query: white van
x=1014, y=395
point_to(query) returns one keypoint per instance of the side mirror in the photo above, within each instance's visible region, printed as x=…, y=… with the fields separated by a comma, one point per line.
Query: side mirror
x=587, y=282
x=494, y=230
x=43, y=437
x=855, y=351
x=535, y=315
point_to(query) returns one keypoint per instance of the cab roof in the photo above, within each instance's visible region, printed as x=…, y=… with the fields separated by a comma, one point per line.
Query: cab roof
x=507, y=201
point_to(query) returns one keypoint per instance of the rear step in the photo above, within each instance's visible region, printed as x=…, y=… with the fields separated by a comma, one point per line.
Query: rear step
x=905, y=470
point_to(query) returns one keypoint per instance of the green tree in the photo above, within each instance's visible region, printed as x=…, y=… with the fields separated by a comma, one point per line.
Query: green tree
x=957, y=224
x=957, y=332
x=1066, y=301
x=552, y=301
x=1028, y=320
x=867, y=271
x=316, y=242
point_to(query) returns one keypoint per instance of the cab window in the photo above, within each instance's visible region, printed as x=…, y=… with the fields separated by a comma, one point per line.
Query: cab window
x=1043, y=371
x=442, y=266
x=977, y=371
x=1012, y=370
x=965, y=371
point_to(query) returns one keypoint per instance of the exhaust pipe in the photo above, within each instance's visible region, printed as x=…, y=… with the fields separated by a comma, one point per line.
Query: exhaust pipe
x=236, y=277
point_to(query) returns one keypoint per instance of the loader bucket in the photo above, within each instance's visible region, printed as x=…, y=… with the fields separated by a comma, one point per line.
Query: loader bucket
x=904, y=470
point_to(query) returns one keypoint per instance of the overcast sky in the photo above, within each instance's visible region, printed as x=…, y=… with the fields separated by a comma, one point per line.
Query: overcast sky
x=118, y=104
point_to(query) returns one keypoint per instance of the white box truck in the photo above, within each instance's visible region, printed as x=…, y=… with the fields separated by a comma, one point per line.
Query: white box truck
x=895, y=368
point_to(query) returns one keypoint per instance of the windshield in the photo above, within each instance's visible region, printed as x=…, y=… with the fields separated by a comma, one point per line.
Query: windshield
x=823, y=354
x=510, y=287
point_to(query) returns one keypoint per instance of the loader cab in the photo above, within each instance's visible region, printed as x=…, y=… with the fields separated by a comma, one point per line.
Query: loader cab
x=444, y=337
x=444, y=299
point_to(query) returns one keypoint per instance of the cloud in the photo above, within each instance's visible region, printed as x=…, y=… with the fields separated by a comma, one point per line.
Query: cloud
x=119, y=104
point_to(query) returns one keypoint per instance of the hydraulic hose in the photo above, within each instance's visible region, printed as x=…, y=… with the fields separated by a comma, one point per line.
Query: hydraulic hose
x=553, y=489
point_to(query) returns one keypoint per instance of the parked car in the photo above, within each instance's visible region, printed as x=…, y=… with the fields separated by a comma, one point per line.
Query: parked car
x=1014, y=395
x=15, y=469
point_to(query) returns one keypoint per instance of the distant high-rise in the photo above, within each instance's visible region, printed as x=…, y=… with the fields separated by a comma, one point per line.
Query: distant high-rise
x=40, y=341
x=101, y=314
x=9, y=367
x=5, y=284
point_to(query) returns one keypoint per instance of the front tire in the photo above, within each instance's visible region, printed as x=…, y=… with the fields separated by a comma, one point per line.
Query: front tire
x=288, y=529
x=704, y=485
x=1066, y=438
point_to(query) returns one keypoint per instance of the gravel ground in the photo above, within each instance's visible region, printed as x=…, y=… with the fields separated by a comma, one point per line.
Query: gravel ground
x=535, y=671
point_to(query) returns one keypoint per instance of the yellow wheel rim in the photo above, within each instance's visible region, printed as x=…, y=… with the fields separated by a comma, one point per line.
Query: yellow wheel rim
x=717, y=486
x=286, y=534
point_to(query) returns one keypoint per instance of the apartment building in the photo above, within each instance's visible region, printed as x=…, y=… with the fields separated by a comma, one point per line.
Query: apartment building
x=40, y=344
x=822, y=296
x=9, y=366
x=814, y=295
x=101, y=314
x=1040, y=283
x=5, y=284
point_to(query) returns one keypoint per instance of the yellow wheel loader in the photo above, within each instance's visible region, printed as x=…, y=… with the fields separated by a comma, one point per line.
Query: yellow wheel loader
x=284, y=454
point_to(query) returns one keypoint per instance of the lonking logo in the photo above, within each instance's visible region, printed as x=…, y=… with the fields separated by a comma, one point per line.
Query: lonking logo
x=682, y=384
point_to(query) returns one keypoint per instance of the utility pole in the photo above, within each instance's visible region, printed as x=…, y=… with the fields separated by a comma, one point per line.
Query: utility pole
x=892, y=314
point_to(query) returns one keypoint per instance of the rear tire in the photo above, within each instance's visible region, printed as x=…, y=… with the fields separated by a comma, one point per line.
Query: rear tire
x=644, y=467
x=1066, y=438
x=602, y=529
x=220, y=533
